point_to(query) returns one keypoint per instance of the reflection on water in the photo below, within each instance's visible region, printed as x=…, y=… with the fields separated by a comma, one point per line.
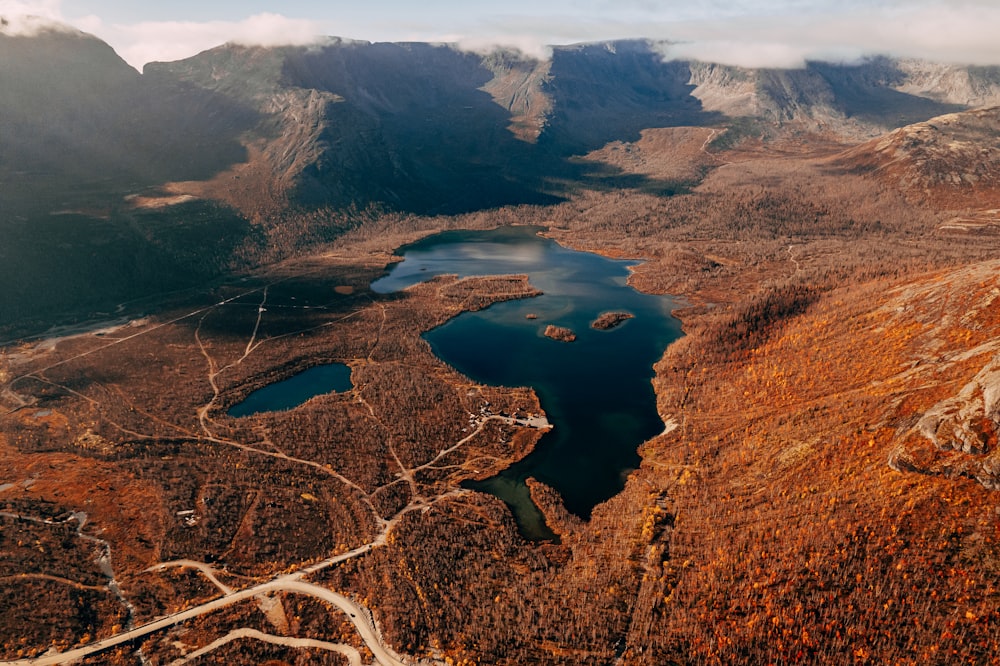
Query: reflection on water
x=502, y=251
x=596, y=391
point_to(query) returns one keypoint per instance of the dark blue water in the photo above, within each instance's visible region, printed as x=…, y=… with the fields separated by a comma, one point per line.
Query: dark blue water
x=292, y=392
x=596, y=391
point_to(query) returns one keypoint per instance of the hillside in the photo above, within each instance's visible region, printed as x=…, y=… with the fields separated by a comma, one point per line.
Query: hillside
x=952, y=161
x=829, y=481
x=82, y=135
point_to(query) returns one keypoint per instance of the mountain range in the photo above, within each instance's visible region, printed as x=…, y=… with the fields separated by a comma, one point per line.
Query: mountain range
x=122, y=184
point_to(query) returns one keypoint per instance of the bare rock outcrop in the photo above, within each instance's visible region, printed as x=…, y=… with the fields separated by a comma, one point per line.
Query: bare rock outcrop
x=957, y=153
x=963, y=431
x=968, y=421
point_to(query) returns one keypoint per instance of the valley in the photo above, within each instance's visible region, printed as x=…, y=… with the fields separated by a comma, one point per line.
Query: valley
x=823, y=487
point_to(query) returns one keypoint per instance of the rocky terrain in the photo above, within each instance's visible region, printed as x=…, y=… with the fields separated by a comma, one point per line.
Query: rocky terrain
x=849, y=100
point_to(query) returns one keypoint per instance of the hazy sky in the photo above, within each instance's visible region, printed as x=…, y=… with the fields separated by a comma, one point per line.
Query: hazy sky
x=779, y=33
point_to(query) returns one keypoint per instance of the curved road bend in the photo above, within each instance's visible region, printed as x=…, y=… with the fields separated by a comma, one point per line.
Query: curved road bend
x=353, y=656
x=358, y=615
x=206, y=570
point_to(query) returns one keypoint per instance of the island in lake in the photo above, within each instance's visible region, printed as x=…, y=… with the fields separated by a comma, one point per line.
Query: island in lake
x=610, y=320
x=560, y=333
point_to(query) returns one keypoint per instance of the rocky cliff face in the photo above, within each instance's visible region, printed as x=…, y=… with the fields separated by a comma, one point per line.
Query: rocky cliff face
x=854, y=101
x=952, y=84
x=957, y=436
x=612, y=91
x=517, y=85
x=963, y=432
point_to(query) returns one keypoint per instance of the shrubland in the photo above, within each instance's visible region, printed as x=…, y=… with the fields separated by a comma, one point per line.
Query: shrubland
x=791, y=512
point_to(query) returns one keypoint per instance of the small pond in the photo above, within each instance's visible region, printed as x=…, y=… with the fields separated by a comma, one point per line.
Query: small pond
x=294, y=391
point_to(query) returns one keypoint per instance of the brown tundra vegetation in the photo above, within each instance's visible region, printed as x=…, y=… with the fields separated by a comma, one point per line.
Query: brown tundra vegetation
x=822, y=493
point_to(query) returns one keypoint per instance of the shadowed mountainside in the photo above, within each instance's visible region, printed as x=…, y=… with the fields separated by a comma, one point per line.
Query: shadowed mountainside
x=433, y=139
x=73, y=109
x=81, y=135
x=607, y=92
x=118, y=185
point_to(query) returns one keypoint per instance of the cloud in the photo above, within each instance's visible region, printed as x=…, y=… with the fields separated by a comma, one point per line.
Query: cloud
x=751, y=33
x=527, y=45
x=744, y=53
x=29, y=17
x=532, y=36
x=48, y=9
x=770, y=33
x=140, y=43
x=954, y=32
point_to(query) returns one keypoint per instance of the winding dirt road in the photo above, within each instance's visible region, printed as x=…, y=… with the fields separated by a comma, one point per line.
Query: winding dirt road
x=360, y=617
x=353, y=656
x=294, y=583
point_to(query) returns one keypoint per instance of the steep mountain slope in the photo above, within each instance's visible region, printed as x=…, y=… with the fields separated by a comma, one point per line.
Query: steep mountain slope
x=73, y=109
x=517, y=85
x=973, y=86
x=604, y=92
x=60, y=89
x=264, y=152
x=440, y=141
x=854, y=101
x=828, y=480
x=80, y=133
x=352, y=123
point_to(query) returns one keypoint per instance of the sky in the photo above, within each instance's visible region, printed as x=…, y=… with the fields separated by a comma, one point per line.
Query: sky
x=751, y=33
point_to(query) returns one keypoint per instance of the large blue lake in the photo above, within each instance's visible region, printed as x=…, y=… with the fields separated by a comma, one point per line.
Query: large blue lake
x=596, y=391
